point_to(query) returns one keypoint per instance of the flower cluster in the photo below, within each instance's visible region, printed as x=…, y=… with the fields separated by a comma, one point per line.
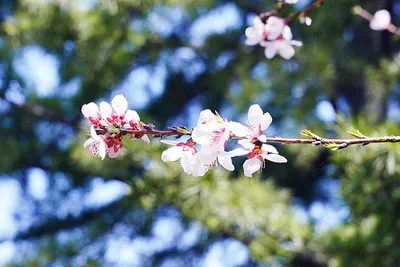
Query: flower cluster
x=202, y=151
x=274, y=34
x=108, y=124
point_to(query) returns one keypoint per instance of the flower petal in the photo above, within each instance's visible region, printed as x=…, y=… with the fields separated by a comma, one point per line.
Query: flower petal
x=88, y=142
x=102, y=150
x=250, y=41
x=111, y=153
x=146, y=139
x=226, y=161
x=206, y=116
x=246, y=144
x=255, y=115
x=266, y=121
x=131, y=115
x=270, y=50
x=90, y=110
x=172, y=154
x=287, y=33
x=286, y=50
x=105, y=110
x=250, y=166
x=185, y=161
x=262, y=138
x=238, y=129
x=170, y=142
x=269, y=149
x=238, y=152
x=119, y=104
x=201, y=163
x=275, y=25
x=276, y=158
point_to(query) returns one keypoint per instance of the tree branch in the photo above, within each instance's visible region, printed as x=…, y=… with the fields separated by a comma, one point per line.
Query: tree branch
x=313, y=139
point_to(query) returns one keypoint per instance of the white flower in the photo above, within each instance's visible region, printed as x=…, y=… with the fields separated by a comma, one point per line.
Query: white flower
x=282, y=46
x=91, y=112
x=210, y=132
x=183, y=151
x=258, y=122
x=260, y=31
x=96, y=144
x=256, y=156
x=381, y=20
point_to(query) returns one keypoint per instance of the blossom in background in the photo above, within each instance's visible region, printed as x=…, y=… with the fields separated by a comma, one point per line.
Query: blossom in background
x=275, y=36
x=381, y=20
x=257, y=120
x=96, y=144
x=282, y=46
x=257, y=154
x=260, y=31
x=183, y=151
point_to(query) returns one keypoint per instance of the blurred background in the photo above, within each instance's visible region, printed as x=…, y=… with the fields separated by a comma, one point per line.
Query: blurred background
x=59, y=206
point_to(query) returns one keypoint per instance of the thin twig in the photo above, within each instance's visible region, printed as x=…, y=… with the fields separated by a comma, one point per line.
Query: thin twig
x=306, y=10
x=313, y=140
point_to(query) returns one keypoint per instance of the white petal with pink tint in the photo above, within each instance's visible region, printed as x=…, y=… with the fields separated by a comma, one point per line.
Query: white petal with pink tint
x=251, y=166
x=105, y=110
x=119, y=104
x=131, y=115
x=90, y=110
x=275, y=26
x=276, y=158
x=172, y=154
x=255, y=34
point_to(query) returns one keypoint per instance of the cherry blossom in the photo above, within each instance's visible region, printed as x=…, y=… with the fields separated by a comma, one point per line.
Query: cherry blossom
x=257, y=120
x=257, y=153
x=381, y=20
x=96, y=144
x=211, y=132
x=183, y=151
x=260, y=31
x=282, y=46
x=115, y=114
